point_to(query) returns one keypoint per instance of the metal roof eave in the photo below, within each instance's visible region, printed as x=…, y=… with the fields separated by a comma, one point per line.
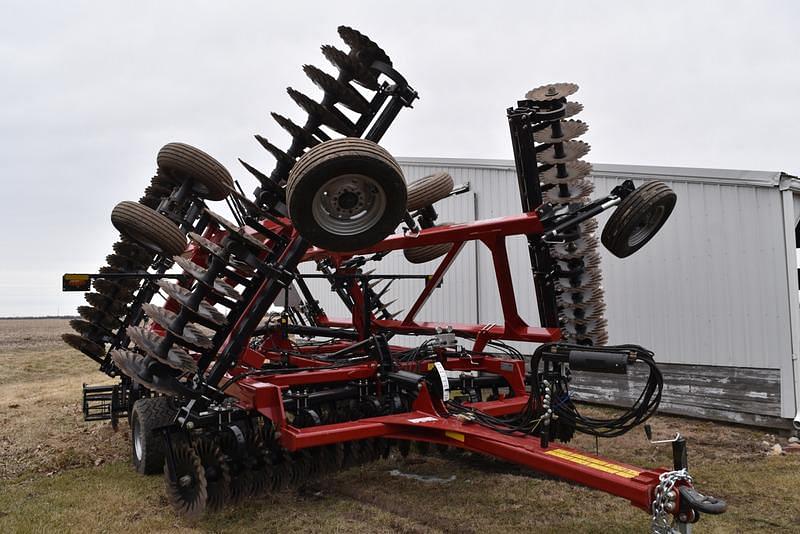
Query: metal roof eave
x=682, y=174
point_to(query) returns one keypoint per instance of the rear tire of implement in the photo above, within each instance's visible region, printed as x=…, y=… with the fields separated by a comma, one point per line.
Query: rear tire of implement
x=148, y=228
x=147, y=414
x=429, y=189
x=182, y=161
x=366, y=175
x=638, y=218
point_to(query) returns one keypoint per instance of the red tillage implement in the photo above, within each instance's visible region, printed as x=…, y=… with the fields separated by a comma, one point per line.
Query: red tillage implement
x=239, y=383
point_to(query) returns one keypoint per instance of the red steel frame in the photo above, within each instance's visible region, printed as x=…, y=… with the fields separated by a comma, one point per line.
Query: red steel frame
x=429, y=420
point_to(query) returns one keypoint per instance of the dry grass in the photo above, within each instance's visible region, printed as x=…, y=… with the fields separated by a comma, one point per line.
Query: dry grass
x=60, y=474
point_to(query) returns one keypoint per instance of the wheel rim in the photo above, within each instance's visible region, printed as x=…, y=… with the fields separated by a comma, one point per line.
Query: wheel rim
x=646, y=226
x=137, y=440
x=349, y=204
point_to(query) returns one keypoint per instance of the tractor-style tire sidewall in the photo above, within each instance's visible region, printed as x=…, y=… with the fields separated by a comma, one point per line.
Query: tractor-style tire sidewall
x=149, y=454
x=148, y=228
x=631, y=212
x=428, y=190
x=210, y=179
x=302, y=190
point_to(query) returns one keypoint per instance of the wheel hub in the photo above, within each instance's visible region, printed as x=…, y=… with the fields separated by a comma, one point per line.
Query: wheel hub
x=349, y=204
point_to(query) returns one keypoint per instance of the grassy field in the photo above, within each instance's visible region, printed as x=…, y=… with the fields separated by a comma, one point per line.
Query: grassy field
x=58, y=473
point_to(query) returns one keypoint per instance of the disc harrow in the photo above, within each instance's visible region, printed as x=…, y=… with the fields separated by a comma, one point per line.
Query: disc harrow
x=240, y=384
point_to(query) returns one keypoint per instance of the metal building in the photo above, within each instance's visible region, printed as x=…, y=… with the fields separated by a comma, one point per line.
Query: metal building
x=714, y=295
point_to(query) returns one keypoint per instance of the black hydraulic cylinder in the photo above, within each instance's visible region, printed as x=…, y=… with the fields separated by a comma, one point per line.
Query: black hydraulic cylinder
x=599, y=362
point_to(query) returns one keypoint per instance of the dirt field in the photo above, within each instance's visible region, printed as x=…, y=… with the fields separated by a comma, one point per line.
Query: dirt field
x=58, y=473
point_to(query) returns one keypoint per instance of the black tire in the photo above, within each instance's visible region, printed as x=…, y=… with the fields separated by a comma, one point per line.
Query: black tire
x=147, y=414
x=148, y=228
x=429, y=189
x=181, y=161
x=369, y=179
x=427, y=253
x=638, y=218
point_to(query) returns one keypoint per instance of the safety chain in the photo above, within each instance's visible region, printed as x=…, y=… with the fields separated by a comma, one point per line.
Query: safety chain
x=664, y=501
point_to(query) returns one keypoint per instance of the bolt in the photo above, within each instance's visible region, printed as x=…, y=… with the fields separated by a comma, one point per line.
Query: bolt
x=671, y=495
x=189, y=425
x=184, y=481
x=670, y=506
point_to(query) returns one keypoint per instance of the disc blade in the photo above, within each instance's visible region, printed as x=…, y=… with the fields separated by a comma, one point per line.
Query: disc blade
x=187, y=489
x=570, y=129
x=191, y=334
x=151, y=343
x=578, y=191
x=183, y=296
x=573, y=150
x=553, y=91
x=567, y=173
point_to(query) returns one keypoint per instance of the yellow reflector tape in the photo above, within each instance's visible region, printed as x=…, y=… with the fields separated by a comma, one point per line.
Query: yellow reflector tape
x=593, y=463
x=455, y=435
x=76, y=277
x=430, y=366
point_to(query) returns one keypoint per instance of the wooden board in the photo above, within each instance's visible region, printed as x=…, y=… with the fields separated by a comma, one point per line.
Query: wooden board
x=735, y=394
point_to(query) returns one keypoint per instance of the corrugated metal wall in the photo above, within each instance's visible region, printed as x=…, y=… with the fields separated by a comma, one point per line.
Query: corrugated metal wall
x=710, y=289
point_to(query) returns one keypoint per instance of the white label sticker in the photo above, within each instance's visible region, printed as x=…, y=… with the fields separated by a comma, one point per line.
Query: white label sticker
x=422, y=420
x=445, y=381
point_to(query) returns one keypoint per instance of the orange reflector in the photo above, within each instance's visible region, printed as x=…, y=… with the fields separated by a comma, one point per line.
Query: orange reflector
x=76, y=282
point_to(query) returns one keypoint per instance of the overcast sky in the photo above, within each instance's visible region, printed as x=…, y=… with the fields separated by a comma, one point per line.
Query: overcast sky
x=90, y=91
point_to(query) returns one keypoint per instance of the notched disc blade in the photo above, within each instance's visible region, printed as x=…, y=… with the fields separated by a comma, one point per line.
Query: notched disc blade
x=188, y=493
x=575, y=249
x=588, y=280
x=295, y=130
x=570, y=129
x=342, y=91
x=99, y=317
x=330, y=118
x=578, y=191
x=190, y=334
x=276, y=152
x=218, y=478
x=586, y=297
x=584, y=314
x=200, y=274
x=572, y=109
x=351, y=66
x=84, y=345
x=150, y=342
x=573, y=150
x=364, y=47
x=208, y=245
x=566, y=173
x=553, y=91
x=107, y=304
x=135, y=366
x=203, y=309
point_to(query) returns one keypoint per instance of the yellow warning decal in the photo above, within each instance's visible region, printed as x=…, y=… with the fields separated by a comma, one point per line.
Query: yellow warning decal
x=593, y=463
x=455, y=435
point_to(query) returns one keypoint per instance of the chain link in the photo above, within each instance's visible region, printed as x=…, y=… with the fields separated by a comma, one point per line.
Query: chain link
x=660, y=523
